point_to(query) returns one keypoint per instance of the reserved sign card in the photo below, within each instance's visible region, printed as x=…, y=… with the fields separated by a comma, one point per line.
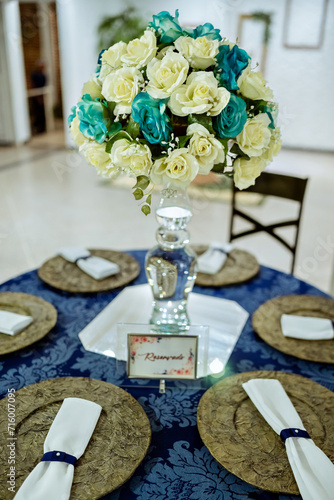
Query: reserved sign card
x=162, y=356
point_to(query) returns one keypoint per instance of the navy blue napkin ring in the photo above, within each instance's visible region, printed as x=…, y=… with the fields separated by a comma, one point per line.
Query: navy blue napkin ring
x=215, y=249
x=58, y=456
x=82, y=258
x=289, y=433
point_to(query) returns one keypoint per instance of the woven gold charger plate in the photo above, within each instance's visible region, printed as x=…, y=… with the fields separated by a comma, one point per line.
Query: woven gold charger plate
x=267, y=324
x=240, y=266
x=67, y=276
x=240, y=439
x=44, y=319
x=118, y=445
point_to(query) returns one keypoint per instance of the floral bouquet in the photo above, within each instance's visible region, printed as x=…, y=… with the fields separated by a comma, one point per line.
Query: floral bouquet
x=175, y=103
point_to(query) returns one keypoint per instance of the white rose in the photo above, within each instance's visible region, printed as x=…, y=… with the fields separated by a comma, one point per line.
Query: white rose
x=122, y=86
x=178, y=169
x=207, y=150
x=96, y=155
x=254, y=86
x=200, y=52
x=200, y=94
x=274, y=146
x=135, y=158
x=246, y=171
x=92, y=87
x=140, y=50
x=111, y=59
x=77, y=136
x=255, y=137
x=166, y=75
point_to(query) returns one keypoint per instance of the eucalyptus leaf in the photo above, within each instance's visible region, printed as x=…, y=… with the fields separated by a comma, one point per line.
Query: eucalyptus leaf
x=133, y=128
x=142, y=182
x=138, y=194
x=146, y=209
x=121, y=134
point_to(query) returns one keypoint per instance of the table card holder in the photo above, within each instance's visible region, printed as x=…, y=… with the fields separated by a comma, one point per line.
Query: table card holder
x=156, y=359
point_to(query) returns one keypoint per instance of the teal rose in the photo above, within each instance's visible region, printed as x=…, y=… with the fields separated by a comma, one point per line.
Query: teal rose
x=206, y=30
x=72, y=115
x=94, y=116
x=231, y=121
x=167, y=26
x=230, y=65
x=151, y=115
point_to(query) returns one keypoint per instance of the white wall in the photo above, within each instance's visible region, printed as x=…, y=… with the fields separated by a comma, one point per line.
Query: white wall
x=14, y=116
x=302, y=79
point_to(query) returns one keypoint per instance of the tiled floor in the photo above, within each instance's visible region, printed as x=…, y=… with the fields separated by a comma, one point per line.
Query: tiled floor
x=50, y=198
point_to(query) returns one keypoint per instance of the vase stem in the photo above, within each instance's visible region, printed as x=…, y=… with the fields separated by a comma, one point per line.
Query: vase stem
x=171, y=264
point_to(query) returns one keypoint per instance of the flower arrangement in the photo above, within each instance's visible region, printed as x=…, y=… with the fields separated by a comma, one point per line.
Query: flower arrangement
x=175, y=103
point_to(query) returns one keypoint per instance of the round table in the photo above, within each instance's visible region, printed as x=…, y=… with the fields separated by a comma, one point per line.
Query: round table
x=178, y=466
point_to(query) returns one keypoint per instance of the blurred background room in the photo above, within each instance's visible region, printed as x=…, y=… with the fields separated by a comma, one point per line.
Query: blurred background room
x=51, y=198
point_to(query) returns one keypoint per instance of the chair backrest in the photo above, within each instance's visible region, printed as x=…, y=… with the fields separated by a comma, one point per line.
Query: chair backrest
x=282, y=186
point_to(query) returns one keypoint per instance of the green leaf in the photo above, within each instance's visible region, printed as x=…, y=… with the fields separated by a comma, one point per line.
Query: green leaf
x=204, y=120
x=218, y=168
x=146, y=209
x=111, y=106
x=183, y=139
x=121, y=134
x=149, y=199
x=224, y=142
x=237, y=151
x=133, y=128
x=138, y=194
x=142, y=182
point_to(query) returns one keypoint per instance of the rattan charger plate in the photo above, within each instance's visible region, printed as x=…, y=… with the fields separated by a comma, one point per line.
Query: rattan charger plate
x=44, y=319
x=67, y=276
x=118, y=445
x=267, y=324
x=240, y=439
x=240, y=266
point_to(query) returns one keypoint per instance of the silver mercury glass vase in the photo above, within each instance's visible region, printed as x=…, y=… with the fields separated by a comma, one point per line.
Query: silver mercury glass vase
x=171, y=264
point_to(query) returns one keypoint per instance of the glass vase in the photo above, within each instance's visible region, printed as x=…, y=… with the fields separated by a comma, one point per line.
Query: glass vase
x=171, y=264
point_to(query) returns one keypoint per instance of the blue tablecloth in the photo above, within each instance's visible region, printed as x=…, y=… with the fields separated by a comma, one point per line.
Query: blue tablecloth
x=178, y=466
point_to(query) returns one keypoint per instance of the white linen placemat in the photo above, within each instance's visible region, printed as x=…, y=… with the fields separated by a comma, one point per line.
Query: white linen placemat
x=306, y=328
x=225, y=318
x=12, y=323
x=313, y=471
x=96, y=267
x=69, y=433
x=213, y=259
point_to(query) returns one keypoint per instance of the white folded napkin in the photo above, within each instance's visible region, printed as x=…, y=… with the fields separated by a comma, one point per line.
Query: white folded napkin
x=69, y=433
x=12, y=323
x=211, y=261
x=96, y=267
x=307, y=328
x=313, y=471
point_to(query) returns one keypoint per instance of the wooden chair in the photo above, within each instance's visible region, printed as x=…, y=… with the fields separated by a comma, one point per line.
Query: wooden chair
x=282, y=186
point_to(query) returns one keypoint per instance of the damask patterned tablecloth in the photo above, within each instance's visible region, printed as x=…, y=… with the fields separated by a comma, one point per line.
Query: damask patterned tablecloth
x=178, y=466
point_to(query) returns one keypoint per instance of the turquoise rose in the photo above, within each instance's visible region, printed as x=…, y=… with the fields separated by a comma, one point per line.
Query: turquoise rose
x=94, y=118
x=151, y=115
x=206, y=30
x=272, y=112
x=167, y=26
x=99, y=62
x=231, y=121
x=230, y=65
x=72, y=115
